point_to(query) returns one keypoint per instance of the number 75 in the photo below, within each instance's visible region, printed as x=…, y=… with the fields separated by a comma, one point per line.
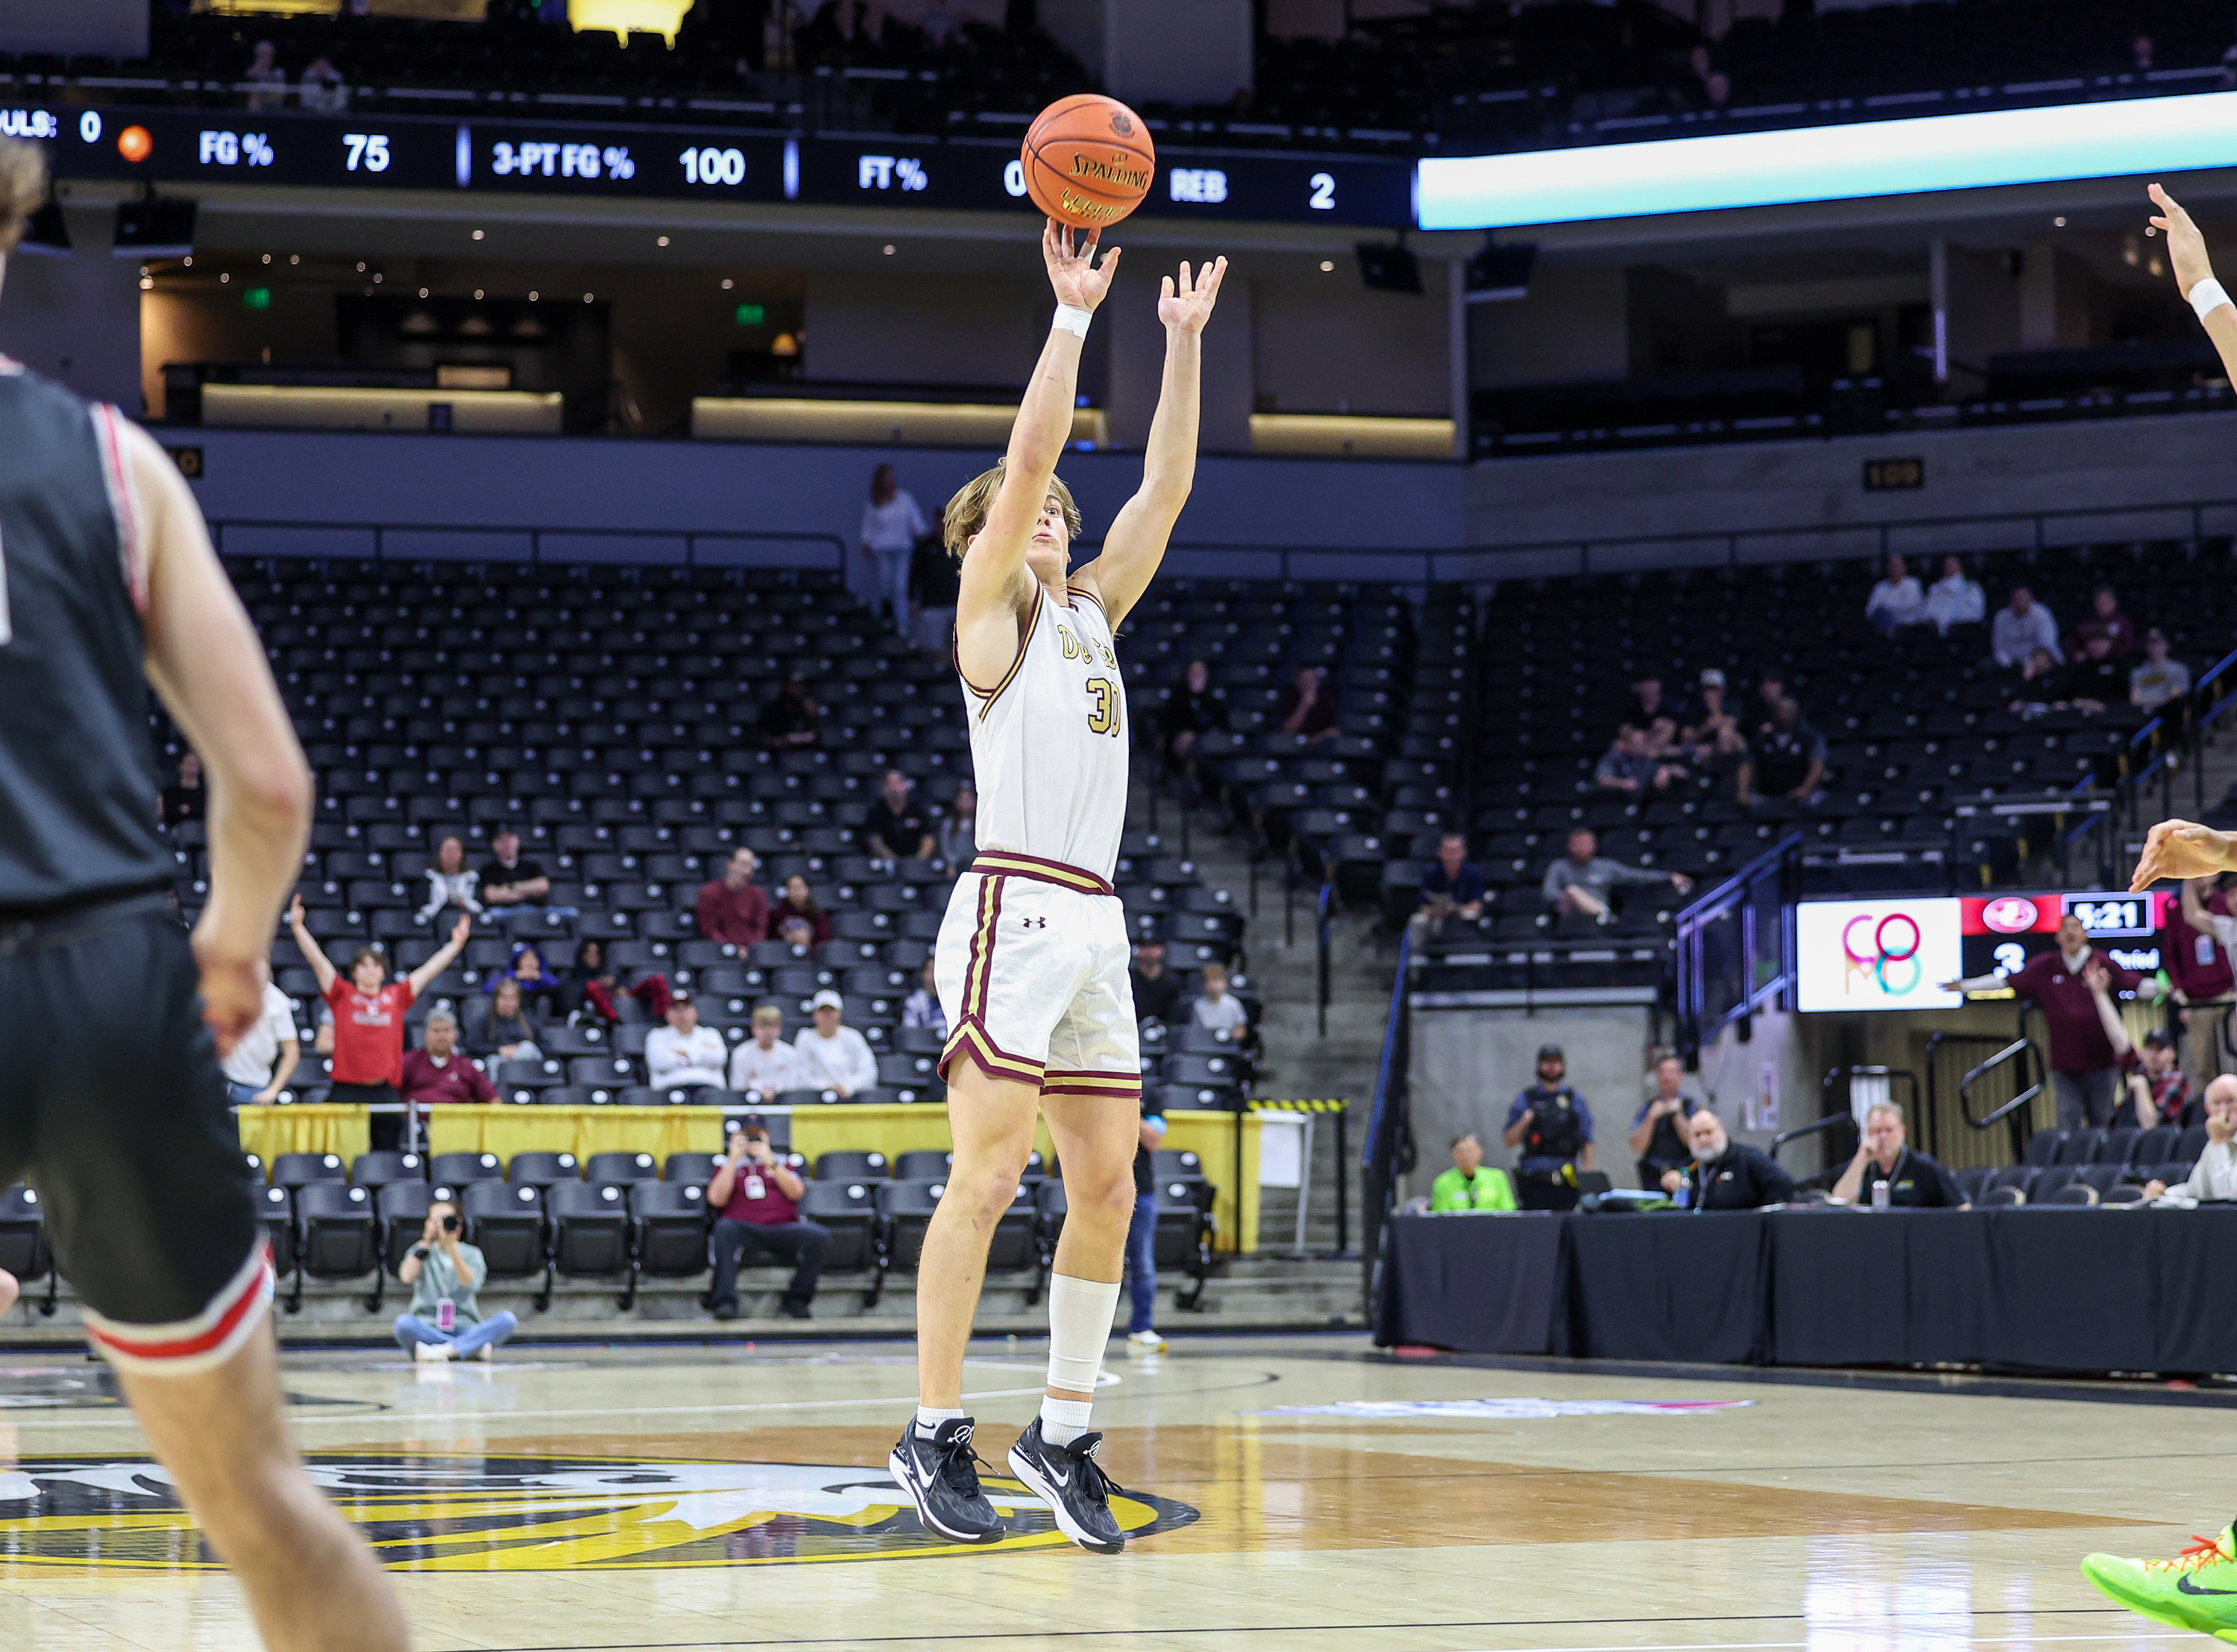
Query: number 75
x=365, y=151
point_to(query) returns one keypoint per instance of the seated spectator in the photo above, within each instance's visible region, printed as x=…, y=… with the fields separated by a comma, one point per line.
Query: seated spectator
x=1726, y=1174
x=1887, y=1171
x=1307, y=707
x=185, y=798
x=1585, y=881
x=792, y=720
x=1452, y=888
x=1193, y=711
x=796, y=932
x=1785, y=763
x=2105, y=620
x=600, y=990
x=1896, y=600
x=2158, y=680
x=2156, y=1092
x=508, y=1029
x=798, y=902
x=2096, y=679
x=540, y=987
x=251, y=1079
x=922, y=1008
x=765, y=1064
x=513, y=889
x=1216, y=1009
x=444, y=1320
x=1658, y=1134
x=959, y=833
x=896, y=828
x=684, y=1054
x=1471, y=1184
x=1714, y=744
x=2044, y=687
x=437, y=1072
x=1156, y=989
x=2215, y=1176
x=1553, y=1127
x=322, y=90
x=1954, y=599
x=2020, y=628
x=266, y=80
x=450, y=883
x=1629, y=767
x=732, y=908
x=836, y=1056
x=756, y=1196
x=1655, y=713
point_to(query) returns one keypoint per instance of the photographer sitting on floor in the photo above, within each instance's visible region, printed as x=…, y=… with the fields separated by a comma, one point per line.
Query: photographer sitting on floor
x=444, y=1321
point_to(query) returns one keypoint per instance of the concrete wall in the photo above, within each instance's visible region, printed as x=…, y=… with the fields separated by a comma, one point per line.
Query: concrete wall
x=75, y=317
x=1148, y=51
x=929, y=330
x=1324, y=345
x=1574, y=327
x=95, y=28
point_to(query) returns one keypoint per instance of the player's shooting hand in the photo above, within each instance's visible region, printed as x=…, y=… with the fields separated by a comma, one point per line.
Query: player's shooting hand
x=232, y=990
x=1069, y=255
x=2186, y=246
x=2180, y=849
x=1185, y=305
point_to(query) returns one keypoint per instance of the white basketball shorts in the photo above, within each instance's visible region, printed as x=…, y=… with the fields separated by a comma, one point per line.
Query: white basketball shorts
x=1030, y=965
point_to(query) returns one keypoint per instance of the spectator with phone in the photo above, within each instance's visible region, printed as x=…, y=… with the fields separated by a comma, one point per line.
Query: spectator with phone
x=1451, y=887
x=756, y=1198
x=444, y=1320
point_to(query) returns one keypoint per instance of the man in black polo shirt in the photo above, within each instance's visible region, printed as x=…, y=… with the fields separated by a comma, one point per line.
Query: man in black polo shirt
x=1884, y=1158
x=1726, y=1174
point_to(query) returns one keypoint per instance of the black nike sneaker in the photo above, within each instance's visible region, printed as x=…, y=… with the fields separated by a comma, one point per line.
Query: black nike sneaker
x=1072, y=1483
x=942, y=1475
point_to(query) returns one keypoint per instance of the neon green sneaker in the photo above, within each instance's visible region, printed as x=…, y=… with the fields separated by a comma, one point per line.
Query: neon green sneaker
x=2196, y=1590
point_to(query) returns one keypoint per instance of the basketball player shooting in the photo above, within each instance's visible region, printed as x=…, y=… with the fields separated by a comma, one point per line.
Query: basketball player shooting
x=1033, y=955
x=111, y=585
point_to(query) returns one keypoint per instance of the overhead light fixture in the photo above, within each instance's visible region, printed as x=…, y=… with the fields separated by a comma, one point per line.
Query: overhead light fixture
x=728, y=284
x=662, y=242
x=1499, y=273
x=156, y=227
x=477, y=234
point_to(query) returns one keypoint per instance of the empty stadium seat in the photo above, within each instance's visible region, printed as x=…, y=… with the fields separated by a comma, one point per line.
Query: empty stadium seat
x=2080, y=1147
x=2052, y=1181
x=851, y=1167
x=671, y=1228
x=849, y=1209
x=542, y=1170
x=373, y=1171
x=456, y=1170
x=2043, y=1148
x=620, y=1168
x=275, y=1213
x=301, y=1169
x=507, y=1220
x=697, y=1169
x=590, y=1230
x=2162, y=1142
x=918, y=1164
x=336, y=1235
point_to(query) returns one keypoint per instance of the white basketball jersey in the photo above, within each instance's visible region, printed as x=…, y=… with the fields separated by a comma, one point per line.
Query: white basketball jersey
x=1049, y=742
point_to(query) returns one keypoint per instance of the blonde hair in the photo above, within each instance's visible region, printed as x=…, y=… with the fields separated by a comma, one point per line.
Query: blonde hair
x=967, y=512
x=1215, y=971
x=23, y=188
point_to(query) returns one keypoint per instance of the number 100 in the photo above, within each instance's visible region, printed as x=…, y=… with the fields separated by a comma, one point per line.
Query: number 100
x=714, y=166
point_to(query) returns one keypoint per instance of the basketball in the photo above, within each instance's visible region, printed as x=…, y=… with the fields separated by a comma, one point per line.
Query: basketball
x=1088, y=161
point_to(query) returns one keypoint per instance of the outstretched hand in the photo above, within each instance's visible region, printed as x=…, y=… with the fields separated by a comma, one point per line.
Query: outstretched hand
x=1071, y=268
x=296, y=910
x=1186, y=305
x=2186, y=246
x=460, y=930
x=2182, y=849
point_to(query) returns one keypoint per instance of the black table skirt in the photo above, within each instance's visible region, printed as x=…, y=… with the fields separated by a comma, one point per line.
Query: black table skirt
x=2056, y=1290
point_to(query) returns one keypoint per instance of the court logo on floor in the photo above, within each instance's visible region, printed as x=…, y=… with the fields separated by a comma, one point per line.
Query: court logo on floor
x=424, y=1512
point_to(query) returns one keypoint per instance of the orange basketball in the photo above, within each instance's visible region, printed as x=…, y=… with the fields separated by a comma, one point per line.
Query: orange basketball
x=1088, y=161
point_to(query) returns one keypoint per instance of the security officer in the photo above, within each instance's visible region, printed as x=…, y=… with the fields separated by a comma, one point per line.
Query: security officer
x=1552, y=1125
x=1726, y=1174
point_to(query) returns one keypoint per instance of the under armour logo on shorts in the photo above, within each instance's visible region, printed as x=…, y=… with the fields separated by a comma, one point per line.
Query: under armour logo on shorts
x=1032, y=922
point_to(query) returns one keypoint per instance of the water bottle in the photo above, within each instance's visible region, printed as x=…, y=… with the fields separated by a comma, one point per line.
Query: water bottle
x=446, y=1316
x=1879, y=1196
x=1685, y=1195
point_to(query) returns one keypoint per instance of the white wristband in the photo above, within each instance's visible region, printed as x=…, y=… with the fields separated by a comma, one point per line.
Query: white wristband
x=1075, y=321
x=2207, y=296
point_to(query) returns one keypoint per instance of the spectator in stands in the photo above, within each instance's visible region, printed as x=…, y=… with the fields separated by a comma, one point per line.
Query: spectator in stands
x=732, y=908
x=368, y=1009
x=797, y=933
x=2084, y=1068
x=599, y=990
x=1656, y=715
x=2019, y=628
x=1658, y=1134
x=1629, y=767
x=1712, y=88
x=798, y=902
x=264, y=1058
x=320, y=90
x=1770, y=689
x=765, y=1064
x=1714, y=746
x=437, y=1072
x=2106, y=620
x=895, y=829
x=959, y=833
x=1585, y=881
x=892, y=526
x=1307, y=707
x=444, y=1320
x=921, y=1012
x=836, y=1057
x=266, y=80
x=513, y=888
x=1156, y=989
x=2042, y=686
x=1884, y=1159
x=935, y=582
x=1553, y=1127
x=2204, y=983
x=2158, y=680
x=1896, y=600
x=1193, y=711
x=1954, y=599
x=2156, y=1092
x=451, y=882
x=540, y=987
x=2215, y=1176
x=684, y=1054
x=1726, y=1174
x=756, y=1196
x=1786, y=762
x=1451, y=887
x=1471, y=1184
x=792, y=719
x=2096, y=679
x=1216, y=1009
x=508, y=1029
x=186, y=798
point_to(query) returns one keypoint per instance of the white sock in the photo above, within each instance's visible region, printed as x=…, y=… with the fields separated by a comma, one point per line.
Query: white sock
x=1064, y=1420
x=1081, y=1313
x=929, y=1418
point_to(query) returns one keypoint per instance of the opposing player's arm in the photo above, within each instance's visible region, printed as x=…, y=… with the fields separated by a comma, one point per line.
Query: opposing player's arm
x=1136, y=545
x=2187, y=254
x=992, y=585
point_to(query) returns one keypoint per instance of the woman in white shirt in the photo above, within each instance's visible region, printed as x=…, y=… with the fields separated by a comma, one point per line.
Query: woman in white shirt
x=451, y=883
x=1897, y=600
x=1954, y=599
x=891, y=526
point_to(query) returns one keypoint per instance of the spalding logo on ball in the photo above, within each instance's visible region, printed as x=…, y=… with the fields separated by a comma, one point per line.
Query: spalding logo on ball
x=1087, y=161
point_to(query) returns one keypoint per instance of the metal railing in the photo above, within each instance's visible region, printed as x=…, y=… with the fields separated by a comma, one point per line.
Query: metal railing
x=1382, y=1152
x=461, y=544
x=2015, y=1064
x=1735, y=946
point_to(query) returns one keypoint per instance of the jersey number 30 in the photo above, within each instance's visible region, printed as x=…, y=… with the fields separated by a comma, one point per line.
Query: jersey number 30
x=1104, y=719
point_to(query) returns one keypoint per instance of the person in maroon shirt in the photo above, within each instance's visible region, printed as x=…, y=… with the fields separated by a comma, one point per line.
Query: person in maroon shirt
x=756, y=1196
x=732, y=908
x=1308, y=708
x=2085, y=1069
x=438, y=1071
x=2204, y=981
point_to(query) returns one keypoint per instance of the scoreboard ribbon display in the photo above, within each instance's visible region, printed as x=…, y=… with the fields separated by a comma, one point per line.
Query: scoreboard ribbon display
x=674, y=163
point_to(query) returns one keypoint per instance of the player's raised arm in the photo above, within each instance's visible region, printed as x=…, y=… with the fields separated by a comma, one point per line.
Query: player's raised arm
x=1136, y=545
x=2194, y=277
x=2182, y=849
